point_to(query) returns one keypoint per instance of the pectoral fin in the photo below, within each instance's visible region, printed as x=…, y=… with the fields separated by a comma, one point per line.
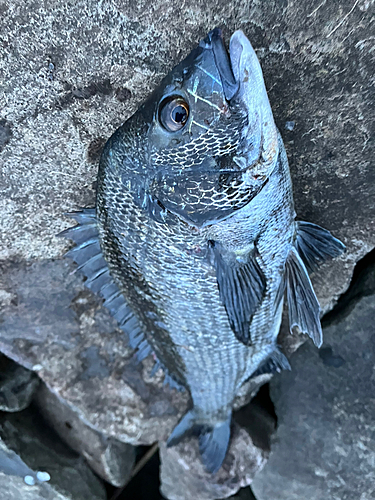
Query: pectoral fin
x=241, y=289
x=315, y=245
x=303, y=306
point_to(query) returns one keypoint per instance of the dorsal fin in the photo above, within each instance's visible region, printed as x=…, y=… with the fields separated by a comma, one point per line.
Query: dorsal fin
x=88, y=255
x=241, y=289
x=315, y=245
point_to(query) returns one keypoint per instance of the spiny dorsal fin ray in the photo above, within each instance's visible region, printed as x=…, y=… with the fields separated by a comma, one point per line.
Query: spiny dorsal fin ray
x=241, y=289
x=303, y=306
x=315, y=245
x=88, y=255
x=275, y=363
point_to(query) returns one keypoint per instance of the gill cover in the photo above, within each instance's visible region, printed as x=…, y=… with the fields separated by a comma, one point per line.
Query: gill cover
x=214, y=164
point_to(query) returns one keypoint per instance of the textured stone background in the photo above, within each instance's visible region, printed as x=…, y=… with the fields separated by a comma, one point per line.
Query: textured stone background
x=70, y=74
x=325, y=444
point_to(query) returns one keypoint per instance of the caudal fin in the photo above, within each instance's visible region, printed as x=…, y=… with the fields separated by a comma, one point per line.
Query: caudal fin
x=213, y=440
x=213, y=445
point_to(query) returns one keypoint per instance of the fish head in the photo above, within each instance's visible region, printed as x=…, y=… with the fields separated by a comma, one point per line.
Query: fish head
x=203, y=145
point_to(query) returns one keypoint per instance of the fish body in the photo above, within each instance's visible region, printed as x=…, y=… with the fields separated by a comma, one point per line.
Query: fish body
x=194, y=243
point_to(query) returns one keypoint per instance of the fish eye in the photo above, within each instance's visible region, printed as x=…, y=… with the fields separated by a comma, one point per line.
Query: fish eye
x=174, y=113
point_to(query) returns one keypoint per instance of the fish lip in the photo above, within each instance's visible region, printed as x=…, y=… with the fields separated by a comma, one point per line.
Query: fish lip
x=214, y=41
x=241, y=50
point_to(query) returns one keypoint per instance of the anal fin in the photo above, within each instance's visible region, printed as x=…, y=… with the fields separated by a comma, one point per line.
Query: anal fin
x=241, y=289
x=315, y=245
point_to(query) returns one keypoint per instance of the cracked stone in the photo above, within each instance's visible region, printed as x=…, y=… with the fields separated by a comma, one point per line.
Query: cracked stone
x=17, y=385
x=35, y=464
x=111, y=459
x=325, y=441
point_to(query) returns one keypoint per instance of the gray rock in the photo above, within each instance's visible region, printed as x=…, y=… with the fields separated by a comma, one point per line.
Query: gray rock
x=36, y=465
x=109, y=458
x=17, y=385
x=325, y=439
x=60, y=329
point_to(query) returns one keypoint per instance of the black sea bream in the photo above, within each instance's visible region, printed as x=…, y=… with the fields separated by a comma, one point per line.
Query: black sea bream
x=193, y=243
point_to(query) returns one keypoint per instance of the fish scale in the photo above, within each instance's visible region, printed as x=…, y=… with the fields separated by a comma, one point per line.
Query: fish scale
x=193, y=242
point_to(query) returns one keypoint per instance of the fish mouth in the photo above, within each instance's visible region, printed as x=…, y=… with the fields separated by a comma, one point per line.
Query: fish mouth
x=243, y=58
x=232, y=68
x=214, y=41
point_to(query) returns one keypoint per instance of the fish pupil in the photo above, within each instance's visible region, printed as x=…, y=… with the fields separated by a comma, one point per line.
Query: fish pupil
x=179, y=114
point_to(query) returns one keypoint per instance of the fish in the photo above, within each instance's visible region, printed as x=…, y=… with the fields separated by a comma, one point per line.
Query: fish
x=194, y=244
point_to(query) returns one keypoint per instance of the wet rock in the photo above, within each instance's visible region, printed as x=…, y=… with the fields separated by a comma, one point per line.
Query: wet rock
x=111, y=459
x=35, y=464
x=183, y=476
x=17, y=385
x=325, y=441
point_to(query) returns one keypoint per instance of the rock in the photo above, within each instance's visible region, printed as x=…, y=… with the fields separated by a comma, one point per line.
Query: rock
x=53, y=318
x=70, y=78
x=111, y=459
x=36, y=465
x=73, y=93
x=243, y=494
x=17, y=385
x=182, y=474
x=325, y=407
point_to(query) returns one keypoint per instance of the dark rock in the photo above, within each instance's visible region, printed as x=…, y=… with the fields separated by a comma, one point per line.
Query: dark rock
x=123, y=94
x=17, y=385
x=35, y=464
x=325, y=406
x=109, y=458
x=95, y=149
x=243, y=494
x=5, y=133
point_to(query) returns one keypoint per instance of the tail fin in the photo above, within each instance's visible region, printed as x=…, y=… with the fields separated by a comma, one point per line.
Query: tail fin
x=213, y=445
x=213, y=440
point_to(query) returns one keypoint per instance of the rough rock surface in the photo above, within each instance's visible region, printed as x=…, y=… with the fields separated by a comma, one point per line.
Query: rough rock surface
x=58, y=328
x=17, y=385
x=111, y=459
x=248, y=451
x=30, y=455
x=325, y=440
x=70, y=75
